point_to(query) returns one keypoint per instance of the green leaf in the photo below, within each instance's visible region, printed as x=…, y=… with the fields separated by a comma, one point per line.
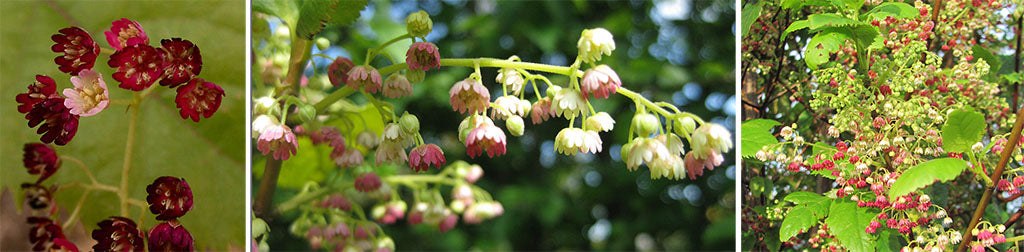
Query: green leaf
x=287, y=10
x=315, y=15
x=847, y=223
x=980, y=52
x=756, y=135
x=771, y=240
x=823, y=44
x=924, y=174
x=1012, y=77
x=809, y=209
x=795, y=26
x=750, y=14
x=962, y=130
x=797, y=4
x=888, y=241
x=893, y=9
x=819, y=21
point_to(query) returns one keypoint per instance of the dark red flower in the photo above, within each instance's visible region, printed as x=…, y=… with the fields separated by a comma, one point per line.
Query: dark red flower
x=78, y=48
x=170, y=236
x=138, y=66
x=169, y=197
x=37, y=196
x=117, y=234
x=337, y=71
x=198, y=98
x=41, y=159
x=423, y=156
x=423, y=56
x=336, y=200
x=60, y=126
x=124, y=33
x=368, y=182
x=43, y=88
x=43, y=232
x=183, y=61
x=63, y=245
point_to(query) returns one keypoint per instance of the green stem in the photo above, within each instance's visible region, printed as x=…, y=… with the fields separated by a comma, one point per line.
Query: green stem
x=489, y=62
x=654, y=107
x=129, y=145
x=303, y=199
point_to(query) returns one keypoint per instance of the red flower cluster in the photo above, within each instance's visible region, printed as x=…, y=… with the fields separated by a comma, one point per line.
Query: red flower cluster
x=40, y=159
x=169, y=197
x=117, y=234
x=46, y=235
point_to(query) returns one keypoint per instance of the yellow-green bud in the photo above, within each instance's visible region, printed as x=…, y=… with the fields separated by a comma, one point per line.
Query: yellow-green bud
x=646, y=124
x=515, y=125
x=419, y=24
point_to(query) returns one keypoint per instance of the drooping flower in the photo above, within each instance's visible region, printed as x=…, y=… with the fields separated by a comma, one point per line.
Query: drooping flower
x=368, y=182
x=708, y=139
x=396, y=86
x=41, y=159
x=169, y=197
x=541, y=111
x=471, y=122
x=170, y=236
x=117, y=234
x=90, y=95
x=487, y=137
x=367, y=139
x=261, y=123
x=599, y=122
x=395, y=135
x=511, y=79
x=423, y=156
x=510, y=104
x=364, y=76
x=198, y=98
x=695, y=165
x=392, y=211
x=593, y=43
x=352, y=157
x=469, y=95
x=278, y=139
x=43, y=232
x=568, y=103
x=79, y=50
x=643, y=150
x=60, y=126
x=571, y=141
x=183, y=61
x=600, y=81
x=423, y=56
x=389, y=152
x=338, y=70
x=37, y=196
x=671, y=167
x=43, y=88
x=125, y=33
x=138, y=66
x=63, y=245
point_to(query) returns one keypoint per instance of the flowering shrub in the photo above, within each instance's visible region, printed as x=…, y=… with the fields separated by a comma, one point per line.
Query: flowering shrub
x=897, y=128
x=324, y=121
x=107, y=152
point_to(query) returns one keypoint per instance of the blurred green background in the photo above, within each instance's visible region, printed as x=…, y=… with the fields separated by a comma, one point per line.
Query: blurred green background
x=681, y=52
x=210, y=154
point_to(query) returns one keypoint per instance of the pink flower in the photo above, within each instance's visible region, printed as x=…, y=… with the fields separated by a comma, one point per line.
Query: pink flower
x=90, y=95
x=368, y=182
x=138, y=66
x=338, y=70
x=40, y=159
x=397, y=86
x=423, y=56
x=541, y=111
x=600, y=81
x=390, y=152
x=448, y=222
x=125, y=33
x=43, y=88
x=170, y=236
x=469, y=95
x=695, y=166
x=169, y=197
x=487, y=137
x=352, y=157
x=423, y=156
x=364, y=76
x=183, y=61
x=60, y=126
x=278, y=139
x=198, y=98
x=79, y=50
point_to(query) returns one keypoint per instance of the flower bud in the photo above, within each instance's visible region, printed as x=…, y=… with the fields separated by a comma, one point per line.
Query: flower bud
x=415, y=75
x=307, y=112
x=646, y=124
x=515, y=125
x=684, y=126
x=410, y=123
x=265, y=105
x=322, y=43
x=419, y=24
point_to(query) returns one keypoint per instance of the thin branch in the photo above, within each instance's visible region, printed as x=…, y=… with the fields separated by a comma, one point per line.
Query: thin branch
x=1004, y=159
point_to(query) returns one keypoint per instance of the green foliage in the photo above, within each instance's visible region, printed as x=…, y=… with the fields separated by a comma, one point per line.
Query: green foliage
x=315, y=15
x=980, y=53
x=809, y=209
x=750, y=14
x=847, y=222
x=209, y=154
x=962, y=130
x=823, y=44
x=924, y=174
x=755, y=135
x=890, y=9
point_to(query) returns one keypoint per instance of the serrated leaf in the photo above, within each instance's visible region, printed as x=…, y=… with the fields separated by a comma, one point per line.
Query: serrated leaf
x=797, y=4
x=750, y=14
x=810, y=207
x=756, y=135
x=823, y=44
x=847, y=223
x=981, y=53
x=888, y=241
x=819, y=21
x=1012, y=77
x=924, y=174
x=287, y=10
x=315, y=15
x=795, y=26
x=893, y=9
x=962, y=130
